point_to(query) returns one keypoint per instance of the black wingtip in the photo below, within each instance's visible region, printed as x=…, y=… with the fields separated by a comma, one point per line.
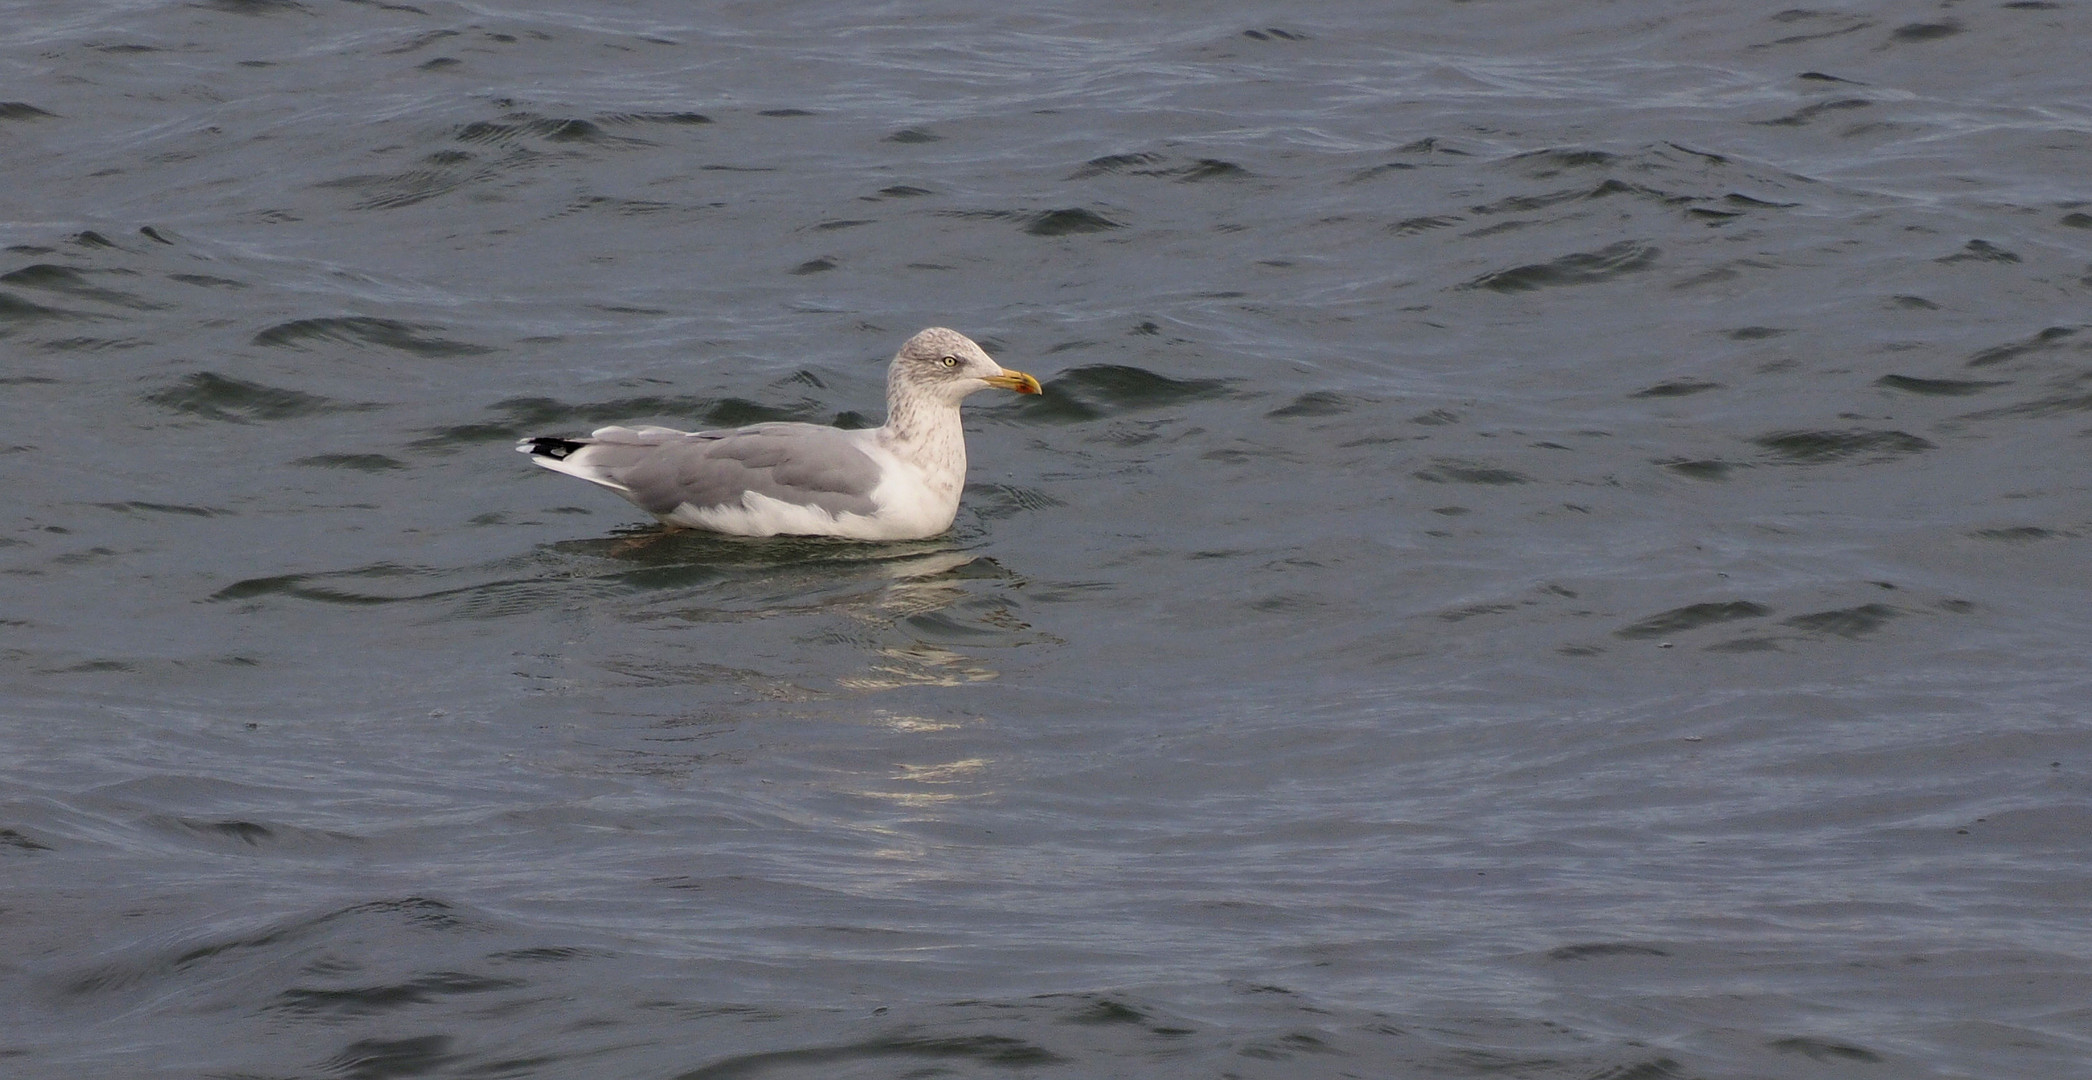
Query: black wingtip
x=547, y=446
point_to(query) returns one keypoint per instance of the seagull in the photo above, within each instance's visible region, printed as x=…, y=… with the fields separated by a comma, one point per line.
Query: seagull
x=896, y=482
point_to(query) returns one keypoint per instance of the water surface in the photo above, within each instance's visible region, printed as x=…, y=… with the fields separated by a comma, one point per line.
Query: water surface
x=1554, y=545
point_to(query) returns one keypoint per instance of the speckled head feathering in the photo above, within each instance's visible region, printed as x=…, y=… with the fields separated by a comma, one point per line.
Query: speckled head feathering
x=900, y=481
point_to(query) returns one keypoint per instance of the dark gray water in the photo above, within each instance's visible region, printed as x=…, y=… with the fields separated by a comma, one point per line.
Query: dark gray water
x=1555, y=545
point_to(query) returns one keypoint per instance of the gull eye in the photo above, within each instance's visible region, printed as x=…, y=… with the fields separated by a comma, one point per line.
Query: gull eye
x=950, y=361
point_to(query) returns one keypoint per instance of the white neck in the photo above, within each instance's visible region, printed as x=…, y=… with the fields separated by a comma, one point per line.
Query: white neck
x=926, y=431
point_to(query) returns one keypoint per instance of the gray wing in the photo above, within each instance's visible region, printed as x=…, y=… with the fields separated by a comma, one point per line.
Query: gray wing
x=803, y=464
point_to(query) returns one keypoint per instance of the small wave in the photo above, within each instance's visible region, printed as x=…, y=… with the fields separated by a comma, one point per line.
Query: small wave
x=1822, y=447
x=1910, y=384
x=14, y=309
x=1702, y=468
x=1068, y=222
x=1849, y=623
x=2047, y=340
x=1676, y=388
x=1098, y=390
x=1316, y=403
x=219, y=397
x=72, y=282
x=365, y=330
x=1452, y=471
x=1692, y=617
x=1580, y=268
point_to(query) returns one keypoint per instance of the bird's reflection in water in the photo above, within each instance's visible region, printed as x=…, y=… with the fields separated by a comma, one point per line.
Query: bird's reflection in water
x=919, y=613
x=697, y=629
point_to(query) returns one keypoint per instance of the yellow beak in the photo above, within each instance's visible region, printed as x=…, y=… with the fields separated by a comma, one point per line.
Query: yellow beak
x=1014, y=380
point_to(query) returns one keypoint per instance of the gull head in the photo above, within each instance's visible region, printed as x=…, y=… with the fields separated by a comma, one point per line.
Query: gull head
x=948, y=365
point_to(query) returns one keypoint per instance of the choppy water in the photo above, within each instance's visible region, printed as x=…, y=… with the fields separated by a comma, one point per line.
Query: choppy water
x=1555, y=545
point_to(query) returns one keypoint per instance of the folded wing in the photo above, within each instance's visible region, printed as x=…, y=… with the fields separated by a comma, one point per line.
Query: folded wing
x=662, y=469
